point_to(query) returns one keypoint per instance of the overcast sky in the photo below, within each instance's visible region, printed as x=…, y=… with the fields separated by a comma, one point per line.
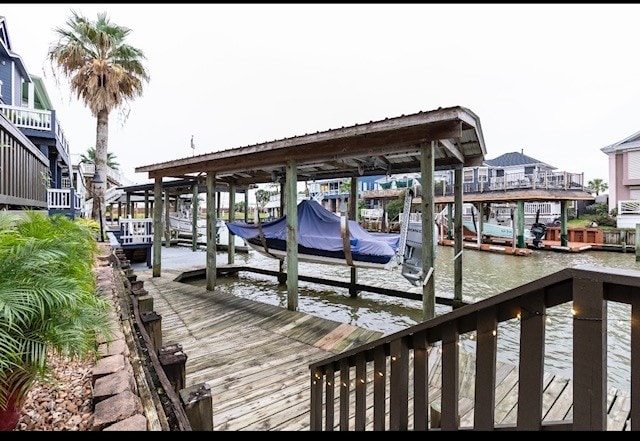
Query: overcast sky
x=558, y=82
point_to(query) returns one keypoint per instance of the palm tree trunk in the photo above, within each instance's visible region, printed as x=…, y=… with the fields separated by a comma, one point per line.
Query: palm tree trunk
x=102, y=138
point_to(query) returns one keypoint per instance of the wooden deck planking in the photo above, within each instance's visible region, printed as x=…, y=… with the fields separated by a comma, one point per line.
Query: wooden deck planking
x=619, y=412
x=256, y=357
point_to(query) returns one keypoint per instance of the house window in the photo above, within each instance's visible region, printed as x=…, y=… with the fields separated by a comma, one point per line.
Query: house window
x=483, y=174
x=633, y=165
x=468, y=175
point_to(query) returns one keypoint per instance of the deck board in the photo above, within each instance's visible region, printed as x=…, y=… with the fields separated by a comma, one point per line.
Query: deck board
x=256, y=356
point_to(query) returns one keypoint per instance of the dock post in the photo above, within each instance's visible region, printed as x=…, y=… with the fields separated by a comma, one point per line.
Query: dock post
x=198, y=406
x=153, y=325
x=194, y=216
x=353, y=214
x=521, y=224
x=637, y=243
x=173, y=361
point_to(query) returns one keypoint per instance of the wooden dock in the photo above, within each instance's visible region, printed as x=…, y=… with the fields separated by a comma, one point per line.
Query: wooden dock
x=256, y=356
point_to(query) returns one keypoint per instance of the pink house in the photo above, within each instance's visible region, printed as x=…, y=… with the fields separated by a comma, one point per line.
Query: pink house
x=624, y=174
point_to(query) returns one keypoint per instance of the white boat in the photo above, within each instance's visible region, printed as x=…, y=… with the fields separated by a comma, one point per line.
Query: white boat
x=183, y=228
x=491, y=227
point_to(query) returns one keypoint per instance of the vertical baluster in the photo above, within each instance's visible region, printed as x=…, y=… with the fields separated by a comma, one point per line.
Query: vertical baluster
x=399, y=405
x=485, y=385
x=420, y=381
x=450, y=376
x=532, y=332
x=589, y=355
x=379, y=388
x=361, y=391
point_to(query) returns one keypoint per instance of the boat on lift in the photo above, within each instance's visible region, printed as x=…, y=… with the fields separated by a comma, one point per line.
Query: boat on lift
x=323, y=237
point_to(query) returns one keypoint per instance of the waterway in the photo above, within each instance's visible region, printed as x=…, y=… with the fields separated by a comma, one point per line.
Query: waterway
x=484, y=274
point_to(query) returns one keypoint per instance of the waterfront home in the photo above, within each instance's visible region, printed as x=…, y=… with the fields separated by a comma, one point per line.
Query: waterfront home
x=37, y=169
x=624, y=180
x=35, y=163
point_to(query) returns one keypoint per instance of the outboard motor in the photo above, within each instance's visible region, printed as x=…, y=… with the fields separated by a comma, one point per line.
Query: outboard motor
x=538, y=230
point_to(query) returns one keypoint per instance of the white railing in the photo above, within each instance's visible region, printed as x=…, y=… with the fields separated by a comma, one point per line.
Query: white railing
x=136, y=231
x=35, y=119
x=114, y=176
x=60, y=199
x=368, y=214
x=628, y=207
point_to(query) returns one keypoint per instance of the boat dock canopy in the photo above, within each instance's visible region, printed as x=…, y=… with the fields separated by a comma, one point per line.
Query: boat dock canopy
x=389, y=146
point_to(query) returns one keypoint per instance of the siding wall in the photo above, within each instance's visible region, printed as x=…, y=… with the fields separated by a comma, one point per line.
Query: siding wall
x=5, y=77
x=23, y=170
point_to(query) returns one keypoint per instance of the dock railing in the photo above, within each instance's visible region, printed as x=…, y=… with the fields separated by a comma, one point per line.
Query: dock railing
x=385, y=384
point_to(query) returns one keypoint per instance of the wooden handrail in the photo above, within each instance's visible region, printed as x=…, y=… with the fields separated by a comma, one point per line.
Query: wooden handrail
x=355, y=382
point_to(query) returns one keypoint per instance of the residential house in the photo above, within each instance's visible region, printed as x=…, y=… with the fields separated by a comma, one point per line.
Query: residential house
x=35, y=166
x=624, y=180
x=333, y=194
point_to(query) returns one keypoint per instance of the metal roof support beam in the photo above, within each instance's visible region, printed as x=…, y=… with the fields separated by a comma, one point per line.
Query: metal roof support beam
x=291, y=207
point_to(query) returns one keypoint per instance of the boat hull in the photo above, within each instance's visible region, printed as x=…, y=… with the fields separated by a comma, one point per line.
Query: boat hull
x=277, y=249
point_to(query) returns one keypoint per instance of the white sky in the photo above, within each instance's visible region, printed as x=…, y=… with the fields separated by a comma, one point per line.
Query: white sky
x=557, y=81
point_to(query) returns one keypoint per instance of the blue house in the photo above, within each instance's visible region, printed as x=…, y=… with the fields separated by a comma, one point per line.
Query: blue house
x=35, y=164
x=331, y=193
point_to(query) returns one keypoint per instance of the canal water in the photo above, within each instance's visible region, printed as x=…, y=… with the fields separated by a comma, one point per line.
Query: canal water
x=484, y=274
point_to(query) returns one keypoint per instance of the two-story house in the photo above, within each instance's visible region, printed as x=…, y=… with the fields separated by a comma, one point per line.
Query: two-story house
x=333, y=194
x=35, y=165
x=624, y=180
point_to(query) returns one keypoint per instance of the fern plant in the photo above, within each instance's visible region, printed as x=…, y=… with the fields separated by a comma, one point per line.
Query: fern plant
x=48, y=302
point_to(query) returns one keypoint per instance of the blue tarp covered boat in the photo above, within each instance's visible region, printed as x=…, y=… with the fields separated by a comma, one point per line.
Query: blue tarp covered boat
x=320, y=239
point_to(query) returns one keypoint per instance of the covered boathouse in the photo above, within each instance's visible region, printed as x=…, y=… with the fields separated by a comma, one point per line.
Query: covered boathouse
x=393, y=382
x=445, y=138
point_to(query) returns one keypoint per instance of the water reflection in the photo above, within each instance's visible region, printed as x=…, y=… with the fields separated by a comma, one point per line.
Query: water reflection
x=484, y=274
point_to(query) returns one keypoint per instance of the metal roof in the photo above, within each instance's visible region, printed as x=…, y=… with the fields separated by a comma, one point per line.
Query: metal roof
x=388, y=146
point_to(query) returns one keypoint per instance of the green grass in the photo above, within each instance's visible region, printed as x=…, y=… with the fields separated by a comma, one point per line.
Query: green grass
x=585, y=220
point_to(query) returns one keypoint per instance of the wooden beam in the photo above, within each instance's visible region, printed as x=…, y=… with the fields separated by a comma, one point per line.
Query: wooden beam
x=428, y=258
x=157, y=226
x=250, y=158
x=211, y=231
x=292, y=235
x=451, y=148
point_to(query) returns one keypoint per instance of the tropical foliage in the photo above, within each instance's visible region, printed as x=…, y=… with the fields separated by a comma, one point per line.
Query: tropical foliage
x=597, y=186
x=90, y=158
x=48, y=303
x=104, y=72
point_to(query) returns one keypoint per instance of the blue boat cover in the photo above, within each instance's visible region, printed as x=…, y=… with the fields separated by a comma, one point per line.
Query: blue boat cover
x=318, y=228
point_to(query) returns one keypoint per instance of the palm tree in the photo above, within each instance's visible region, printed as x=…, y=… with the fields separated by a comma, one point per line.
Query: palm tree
x=597, y=185
x=90, y=158
x=105, y=73
x=49, y=302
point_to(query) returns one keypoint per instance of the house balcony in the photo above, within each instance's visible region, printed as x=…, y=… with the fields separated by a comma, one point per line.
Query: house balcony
x=65, y=201
x=628, y=215
x=43, y=121
x=520, y=181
